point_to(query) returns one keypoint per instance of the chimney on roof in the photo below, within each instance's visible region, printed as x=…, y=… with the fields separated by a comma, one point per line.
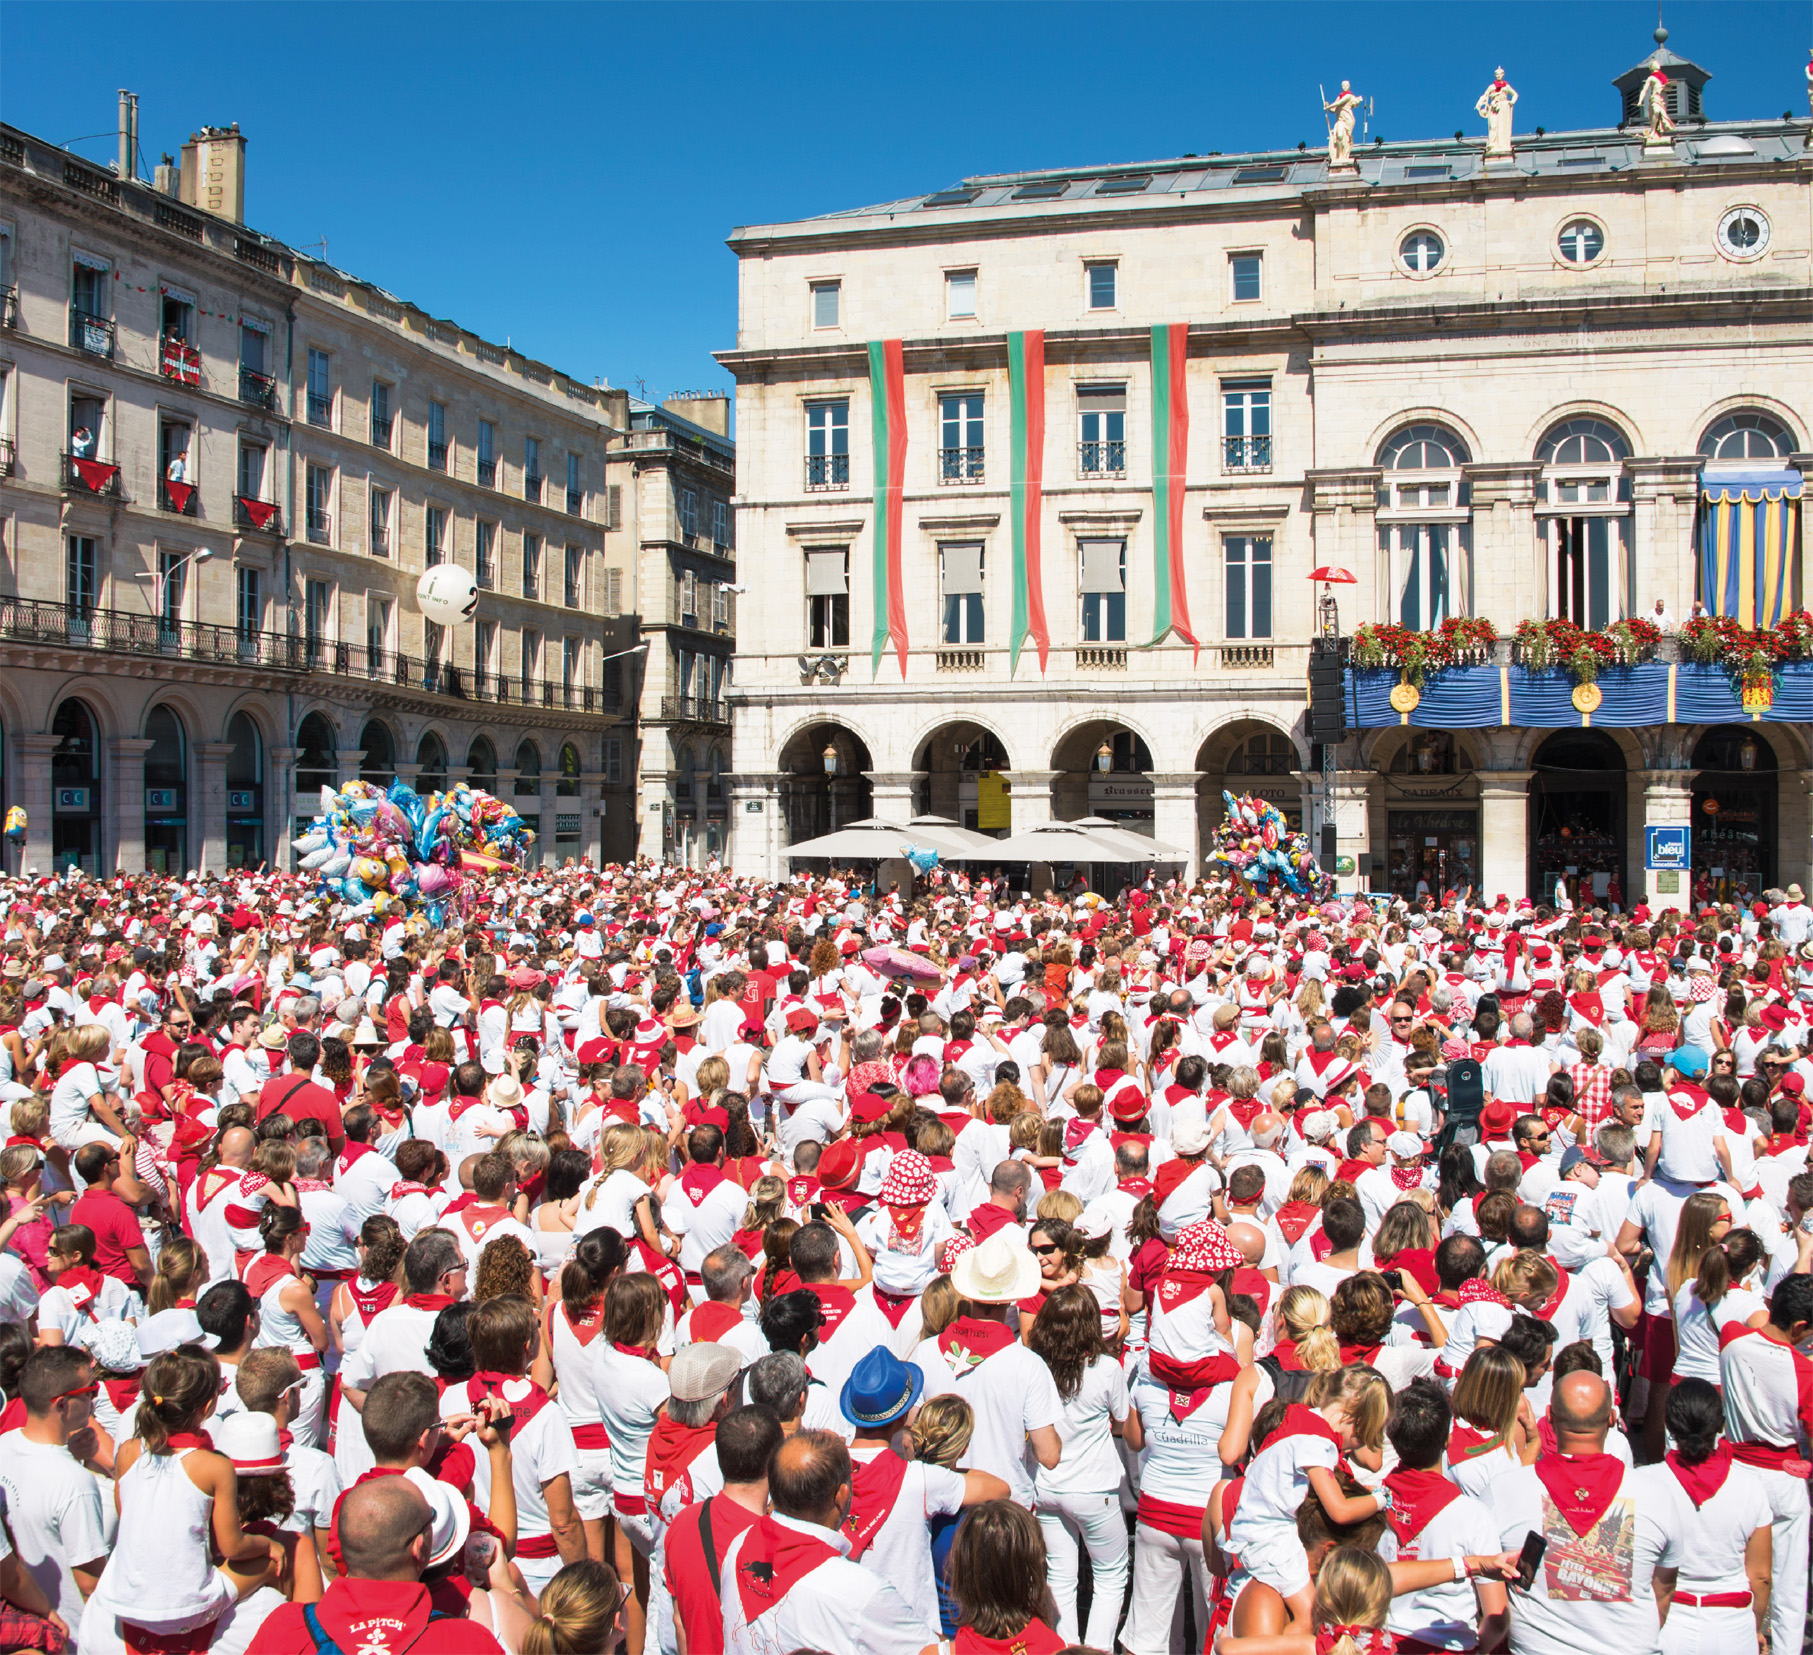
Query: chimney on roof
x=214, y=171
x=128, y=167
x=166, y=176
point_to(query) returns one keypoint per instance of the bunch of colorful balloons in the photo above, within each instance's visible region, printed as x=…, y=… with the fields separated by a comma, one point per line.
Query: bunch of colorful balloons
x=1256, y=842
x=383, y=846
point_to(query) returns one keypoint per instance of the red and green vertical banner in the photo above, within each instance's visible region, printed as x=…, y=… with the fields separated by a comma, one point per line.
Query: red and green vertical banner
x=887, y=399
x=1026, y=395
x=1170, y=446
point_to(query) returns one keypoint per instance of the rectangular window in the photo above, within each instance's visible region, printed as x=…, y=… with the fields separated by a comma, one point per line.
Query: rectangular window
x=87, y=424
x=1102, y=430
x=1246, y=272
x=1246, y=425
x=380, y=414
x=434, y=536
x=377, y=628
x=531, y=661
x=960, y=570
x=484, y=647
x=1428, y=570
x=575, y=494
x=720, y=522
x=380, y=522
x=317, y=612
x=570, y=658
x=248, y=601
x=531, y=468
x=318, y=494
x=613, y=591
x=689, y=596
x=254, y=347
x=827, y=445
x=825, y=304
x=252, y=456
x=960, y=295
x=613, y=758
x=828, y=598
x=531, y=566
x=613, y=506
x=487, y=454
x=172, y=578
x=960, y=450
x=81, y=590
x=485, y=568
x=437, y=436
x=90, y=287
x=1102, y=280
x=575, y=581
x=1102, y=581
x=1248, y=561
x=173, y=449
x=434, y=640
x=320, y=388
x=689, y=513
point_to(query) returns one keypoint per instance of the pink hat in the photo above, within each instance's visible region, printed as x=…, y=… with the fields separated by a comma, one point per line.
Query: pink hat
x=1207, y=1247
x=910, y=1182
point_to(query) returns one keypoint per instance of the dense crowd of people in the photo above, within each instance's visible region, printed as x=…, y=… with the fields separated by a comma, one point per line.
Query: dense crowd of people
x=660, y=1260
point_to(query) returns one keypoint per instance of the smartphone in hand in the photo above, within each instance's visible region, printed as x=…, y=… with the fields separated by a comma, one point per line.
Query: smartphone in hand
x=1529, y=1559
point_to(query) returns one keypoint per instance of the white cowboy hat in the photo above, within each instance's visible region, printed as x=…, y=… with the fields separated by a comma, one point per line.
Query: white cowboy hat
x=1000, y=1271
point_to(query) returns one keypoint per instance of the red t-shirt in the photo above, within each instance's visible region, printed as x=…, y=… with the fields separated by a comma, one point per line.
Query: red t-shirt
x=302, y=1100
x=696, y=1606
x=375, y=1617
x=116, y=1227
x=160, y=1061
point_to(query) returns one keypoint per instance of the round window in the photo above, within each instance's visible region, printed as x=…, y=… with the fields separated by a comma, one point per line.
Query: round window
x=1421, y=251
x=1743, y=233
x=1582, y=241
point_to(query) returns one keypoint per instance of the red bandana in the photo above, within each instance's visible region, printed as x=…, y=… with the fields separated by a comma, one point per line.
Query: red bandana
x=874, y=1488
x=774, y=1560
x=1370, y=1640
x=1704, y=1480
x=370, y=1300
x=1418, y=1498
x=1582, y=1486
x=671, y=1451
x=1034, y=1638
x=971, y=1340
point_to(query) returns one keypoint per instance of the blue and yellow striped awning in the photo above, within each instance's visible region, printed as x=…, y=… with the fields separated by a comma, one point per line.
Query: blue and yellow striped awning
x=1749, y=537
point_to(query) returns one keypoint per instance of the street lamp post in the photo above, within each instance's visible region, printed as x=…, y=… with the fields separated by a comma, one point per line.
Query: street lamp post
x=163, y=575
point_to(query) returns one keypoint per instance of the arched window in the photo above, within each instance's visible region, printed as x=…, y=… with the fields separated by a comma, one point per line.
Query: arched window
x=1429, y=754
x=166, y=765
x=1424, y=518
x=316, y=765
x=716, y=793
x=481, y=758
x=245, y=793
x=166, y=792
x=380, y=763
x=683, y=784
x=528, y=770
x=1747, y=435
x=431, y=755
x=74, y=762
x=1582, y=508
x=75, y=779
x=1264, y=755
x=568, y=785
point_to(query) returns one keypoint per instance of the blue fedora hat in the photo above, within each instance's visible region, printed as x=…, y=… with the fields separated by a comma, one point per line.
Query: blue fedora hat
x=880, y=1389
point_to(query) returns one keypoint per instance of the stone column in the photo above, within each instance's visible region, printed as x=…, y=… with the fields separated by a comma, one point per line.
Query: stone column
x=349, y=759
x=591, y=822
x=755, y=833
x=409, y=774
x=38, y=797
x=1506, y=571
x=1504, y=833
x=209, y=805
x=280, y=814
x=124, y=803
x=457, y=773
x=1353, y=826
x=1174, y=816
x=1667, y=802
x=547, y=804
x=1031, y=797
x=893, y=793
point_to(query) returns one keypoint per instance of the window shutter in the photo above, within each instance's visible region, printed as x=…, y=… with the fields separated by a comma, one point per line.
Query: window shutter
x=689, y=593
x=613, y=506
x=826, y=575
x=613, y=758
x=720, y=606
x=1101, y=565
x=613, y=591
x=962, y=571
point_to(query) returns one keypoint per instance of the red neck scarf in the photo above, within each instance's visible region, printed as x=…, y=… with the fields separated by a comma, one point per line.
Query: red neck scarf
x=774, y=1559
x=1370, y=1640
x=1582, y=1486
x=874, y=1488
x=710, y=1321
x=370, y=1300
x=122, y=1393
x=1466, y=1443
x=1294, y=1217
x=1418, y=1498
x=179, y=1440
x=1034, y=1638
x=1704, y=1480
x=971, y=1340
x=671, y=1451
x=1302, y=1421
x=699, y=1180
x=380, y=1617
x=436, y=1302
x=82, y=1282
x=987, y=1219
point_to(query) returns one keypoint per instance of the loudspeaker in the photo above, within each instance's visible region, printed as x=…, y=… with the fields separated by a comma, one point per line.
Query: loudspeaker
x=1328, y=847
x=1328, y=690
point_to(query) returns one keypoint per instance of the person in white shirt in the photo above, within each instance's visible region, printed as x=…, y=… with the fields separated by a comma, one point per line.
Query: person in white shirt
x=53, y=1502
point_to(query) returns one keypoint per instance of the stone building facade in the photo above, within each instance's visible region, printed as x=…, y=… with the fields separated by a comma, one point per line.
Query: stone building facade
x=226, y=465
x=1496, y=388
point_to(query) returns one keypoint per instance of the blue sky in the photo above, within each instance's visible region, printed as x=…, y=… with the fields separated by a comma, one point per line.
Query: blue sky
x=565, y=175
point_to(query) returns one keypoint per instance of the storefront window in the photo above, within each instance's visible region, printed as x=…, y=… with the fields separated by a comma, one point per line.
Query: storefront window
x=1432, y=851
x=1735, y=799
x=1577, y=820
x=245, y=794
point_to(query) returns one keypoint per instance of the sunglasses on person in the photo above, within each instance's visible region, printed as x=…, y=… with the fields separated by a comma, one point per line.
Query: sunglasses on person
x=1046, y=1248
x=91, y=1389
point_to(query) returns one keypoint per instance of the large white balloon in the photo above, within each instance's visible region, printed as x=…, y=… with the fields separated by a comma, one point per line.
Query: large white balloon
x=447, y=594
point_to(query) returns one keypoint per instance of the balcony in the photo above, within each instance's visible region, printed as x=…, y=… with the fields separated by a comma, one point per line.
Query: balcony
x=1248, y=454
x=320, y=528
x=321, y=410
x=93, y=334
x=485, y=575
x=381, y=428
x=1101, y=459
x=91, y=477
x=827, y=471
x=960, y=465
x=380, y=540
x=177, y=359
x=437, y=456
x=182, y=498
x=575, y=502
x=257, y=516
x=959, y=660
x=572, y=595
x=693, y=709
x=1245, y=657
x=257, y=390
x=535, y=692
x=531, y=486
x=1102, y=658
x=118, y=632
x=172, y=218
x=487, y=473
x=6, y=456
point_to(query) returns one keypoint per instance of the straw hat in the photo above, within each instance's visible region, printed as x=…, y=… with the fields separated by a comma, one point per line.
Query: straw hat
x=1001, y=1270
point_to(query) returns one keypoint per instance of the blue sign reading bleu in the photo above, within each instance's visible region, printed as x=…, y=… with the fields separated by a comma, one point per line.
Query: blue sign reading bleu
x=1668, y=849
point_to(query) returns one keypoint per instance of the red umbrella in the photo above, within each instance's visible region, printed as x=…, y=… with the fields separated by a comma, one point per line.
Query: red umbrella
x=1339, y=577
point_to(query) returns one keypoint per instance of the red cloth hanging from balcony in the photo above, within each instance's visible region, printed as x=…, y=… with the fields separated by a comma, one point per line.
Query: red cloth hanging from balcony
x=259, y=511
x=94, y=474
x=180, y=495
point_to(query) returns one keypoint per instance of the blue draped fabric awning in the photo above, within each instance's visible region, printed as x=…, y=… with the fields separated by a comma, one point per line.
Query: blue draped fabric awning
x=1748, y=535
x=1657, y=692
